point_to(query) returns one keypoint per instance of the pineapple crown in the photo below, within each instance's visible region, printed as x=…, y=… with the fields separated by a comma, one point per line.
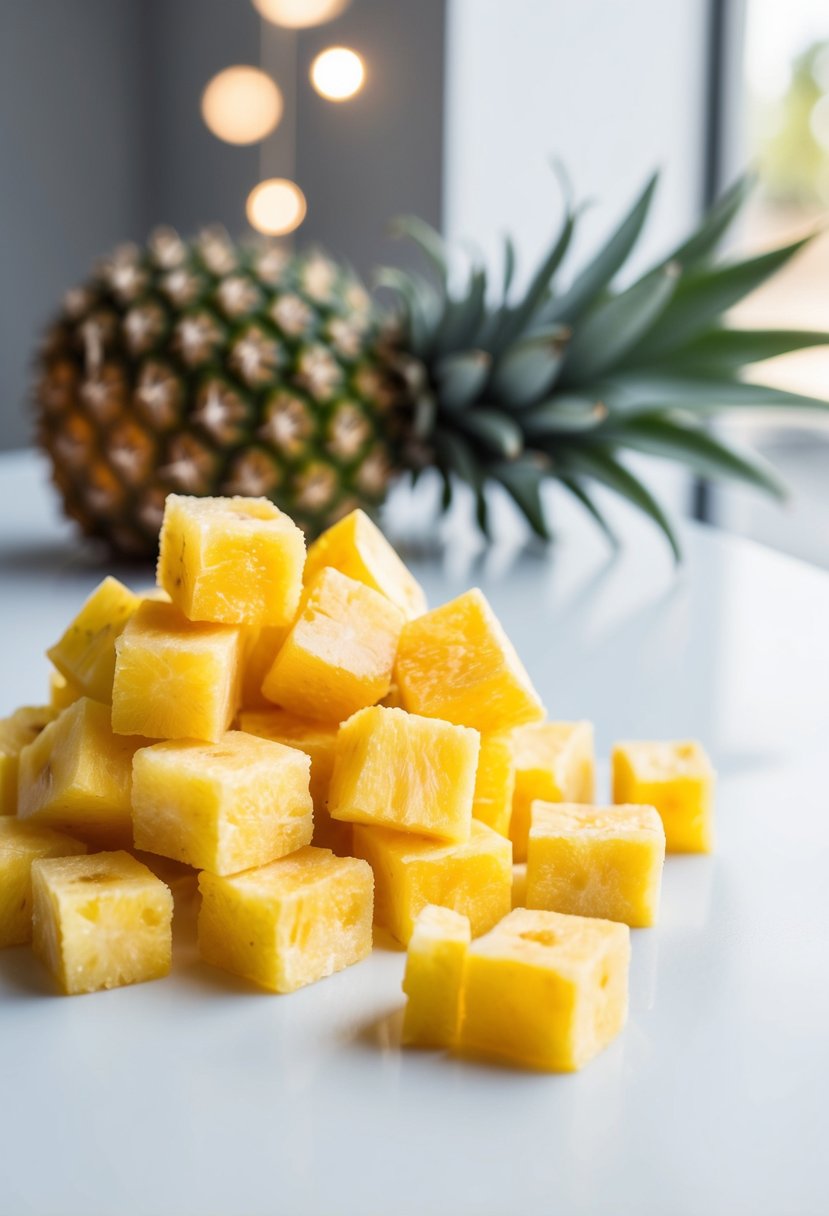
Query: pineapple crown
x=557, y=382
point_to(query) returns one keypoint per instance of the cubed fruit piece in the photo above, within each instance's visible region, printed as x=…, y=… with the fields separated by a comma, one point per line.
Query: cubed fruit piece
x=596, y=861
x=16, y=732
x=355, y=546
x=101, y=921
x=175, y=679
x=519, y=884
x=76, y=776
x=339, y=653
x=457, y=663
x=85, y=654
x=546, y=991
x=260, y=648
x=400, y=771
x=235, y=561
x=21, y=844
x=554, y=761
x=473, y=878
x=289, y=923
x=223, y=807
x=495, y=783
x=63, y=692
x=318, y=740
x=676, y=778
x=434, y=977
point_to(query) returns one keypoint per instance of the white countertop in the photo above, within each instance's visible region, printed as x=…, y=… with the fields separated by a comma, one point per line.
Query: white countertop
x=199, y=1095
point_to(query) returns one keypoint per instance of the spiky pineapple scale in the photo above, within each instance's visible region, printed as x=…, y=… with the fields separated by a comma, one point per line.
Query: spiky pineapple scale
x=205, y=368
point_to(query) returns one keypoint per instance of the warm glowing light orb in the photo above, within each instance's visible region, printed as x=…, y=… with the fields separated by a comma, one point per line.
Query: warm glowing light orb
x=241, y=105
x=337, y=73
x=276, y=206
x=300, y=14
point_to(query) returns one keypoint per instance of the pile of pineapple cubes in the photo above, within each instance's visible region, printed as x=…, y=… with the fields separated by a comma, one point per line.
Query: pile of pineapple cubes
x=329, y=755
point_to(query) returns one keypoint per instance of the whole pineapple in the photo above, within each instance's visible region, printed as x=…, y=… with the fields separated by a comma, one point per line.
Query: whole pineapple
x=212, y=368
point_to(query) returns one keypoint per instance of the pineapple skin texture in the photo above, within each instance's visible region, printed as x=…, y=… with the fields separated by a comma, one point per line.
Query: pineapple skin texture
x=545, y=991
x=495, y=783
x=76, y=776
x=290, y=923
x=20, y=845
x=596, y=861
x=175, y=679
x=433, y=980
x=231, y=561
x=396, y=770
x=101, y=921
x=85, y=654
x=357, y=548
x=339, y=655
x=554, y=762
x=222, y=807
x=457, y=663
x=678, y=779
x=473, y=878
x=16, y=732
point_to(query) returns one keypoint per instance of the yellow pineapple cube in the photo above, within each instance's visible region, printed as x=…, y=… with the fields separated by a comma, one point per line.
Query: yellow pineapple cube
x=318, y=740
x=289, y=923
x=495, y=783
x=555, y=762
x=85, y=655
x=433, y=981
x=519, y=884
x=223, y=807
x=21, y=844
x=545, y=991
x=596, y=861
x=234, y=561
x=16, y=732
x=678, y=779
x=260, y=648
x=400, y=771
x=457, y=663
x=101, y=921
x=175, y=679
x=76, y=776
x=339, y=655
x=473, y=878
x=356, y=547
x=63, y=692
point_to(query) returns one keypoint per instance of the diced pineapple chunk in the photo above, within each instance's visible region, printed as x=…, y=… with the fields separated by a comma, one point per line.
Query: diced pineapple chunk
x=678, y=779
x=546, y=991
x=85, y=655
x=473, y=878
x=401, y=771
x=355, y=546
x=495, y=783
x=76, y=776
x=554, y=761
x=63, y=692
x=223, y=807
x=101, y=921
x=260, y=648
x=175, y=679
x=457, y=663
x=235, y=561
x=339, y=654
x=16, y=732
x=596, y=861
x=21, y=844
x=433, y=981
x=318, y=740
x=289, y=923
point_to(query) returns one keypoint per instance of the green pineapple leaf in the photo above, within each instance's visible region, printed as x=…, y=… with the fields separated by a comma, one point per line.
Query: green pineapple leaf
x=726, y=350
x=575, y=487
x=461, y=377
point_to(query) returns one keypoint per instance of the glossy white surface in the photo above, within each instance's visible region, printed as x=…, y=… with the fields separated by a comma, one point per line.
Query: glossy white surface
x=200, y=1095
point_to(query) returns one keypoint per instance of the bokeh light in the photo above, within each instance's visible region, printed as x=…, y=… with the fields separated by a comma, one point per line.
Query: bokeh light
x=276, y=206
x=300, y=14
x=337, y=73
x=241, y=105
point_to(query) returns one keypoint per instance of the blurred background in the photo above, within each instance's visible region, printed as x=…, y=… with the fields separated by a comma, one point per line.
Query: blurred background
x=119, y=115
